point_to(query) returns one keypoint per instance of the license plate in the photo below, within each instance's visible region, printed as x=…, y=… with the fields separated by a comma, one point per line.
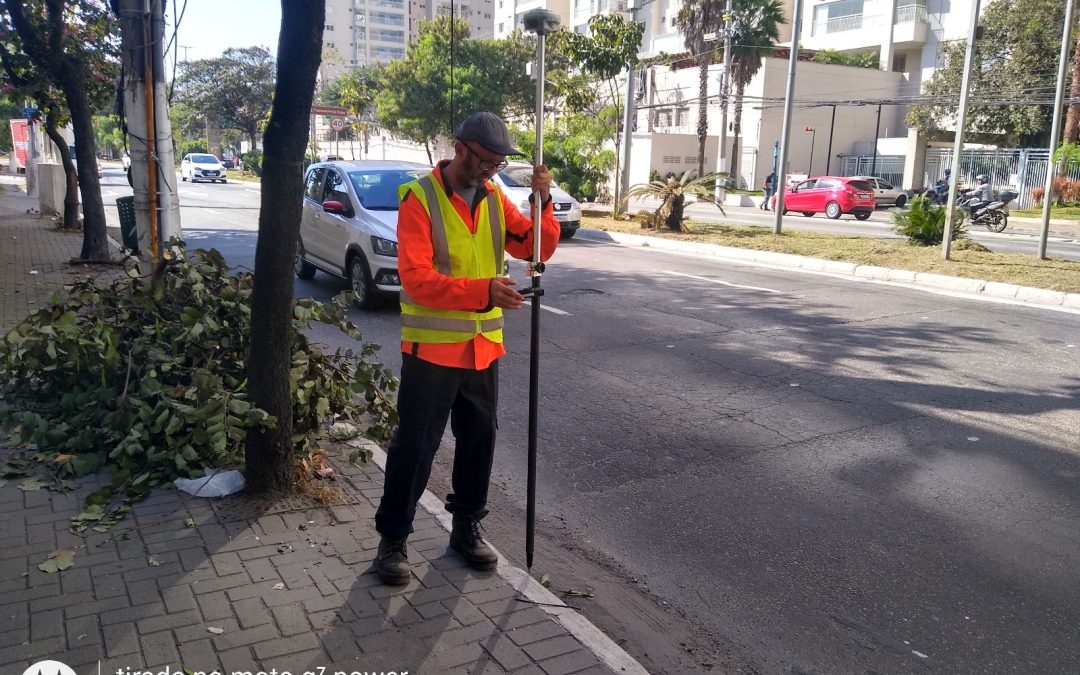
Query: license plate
x=562, y=216
x=866, y=195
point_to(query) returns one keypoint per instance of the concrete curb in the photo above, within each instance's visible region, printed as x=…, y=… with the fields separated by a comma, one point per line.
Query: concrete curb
x=605, y=649
x=975, y=288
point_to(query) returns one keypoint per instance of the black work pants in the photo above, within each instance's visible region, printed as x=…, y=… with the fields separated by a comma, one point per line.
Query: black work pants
x=430, y=394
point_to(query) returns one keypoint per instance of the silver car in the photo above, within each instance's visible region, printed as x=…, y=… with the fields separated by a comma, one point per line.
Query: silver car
x=515, y=181
x=349, y=224
x=884, y=192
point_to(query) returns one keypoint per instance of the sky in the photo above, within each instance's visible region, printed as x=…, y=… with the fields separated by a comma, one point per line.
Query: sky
x=209, y=27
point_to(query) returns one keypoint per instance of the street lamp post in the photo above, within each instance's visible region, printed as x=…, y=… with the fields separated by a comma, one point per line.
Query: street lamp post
x=813, y=137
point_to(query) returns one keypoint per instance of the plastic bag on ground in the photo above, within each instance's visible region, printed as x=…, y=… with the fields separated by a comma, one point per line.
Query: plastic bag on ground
x=215, y=483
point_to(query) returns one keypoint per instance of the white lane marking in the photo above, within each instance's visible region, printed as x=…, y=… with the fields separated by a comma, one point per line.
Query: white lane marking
x=724, y=283
x=528, y=301
x=252, y=190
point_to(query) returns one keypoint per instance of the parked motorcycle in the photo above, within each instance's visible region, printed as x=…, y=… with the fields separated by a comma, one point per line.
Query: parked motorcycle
x=991, y=213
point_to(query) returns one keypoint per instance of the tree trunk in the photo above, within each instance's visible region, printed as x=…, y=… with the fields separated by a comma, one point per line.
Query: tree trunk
x=71, y=194
x=703, y=113
x=1072, y=119
x=269, y=452
x=675, y=216
x=736, y=125
x=95, y=239
x=68, y=71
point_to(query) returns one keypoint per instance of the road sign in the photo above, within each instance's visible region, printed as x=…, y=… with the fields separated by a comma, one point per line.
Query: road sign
x=329, y=110
x=29, y=112
x=337, y=124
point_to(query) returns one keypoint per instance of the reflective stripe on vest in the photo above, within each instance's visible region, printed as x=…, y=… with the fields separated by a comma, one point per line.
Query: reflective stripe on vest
x=421, y=323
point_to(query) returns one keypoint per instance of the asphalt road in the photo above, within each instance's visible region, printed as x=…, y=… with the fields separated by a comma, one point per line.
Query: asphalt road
x=819, y=475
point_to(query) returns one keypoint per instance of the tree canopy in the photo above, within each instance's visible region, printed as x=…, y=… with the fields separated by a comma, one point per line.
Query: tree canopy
x=235, y=90
x=1015, y=62
x=421, y=99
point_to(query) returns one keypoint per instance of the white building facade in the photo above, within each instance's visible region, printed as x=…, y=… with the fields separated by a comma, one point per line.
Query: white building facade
x=370, y=32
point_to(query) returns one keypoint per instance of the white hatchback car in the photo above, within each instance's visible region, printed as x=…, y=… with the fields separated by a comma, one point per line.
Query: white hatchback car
x=515, y=181
x=349, y=224
x=199, y=166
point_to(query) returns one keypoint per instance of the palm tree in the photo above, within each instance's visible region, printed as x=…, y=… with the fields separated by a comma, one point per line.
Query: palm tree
x=696, y=19
x=755, y=30
x=672, y=194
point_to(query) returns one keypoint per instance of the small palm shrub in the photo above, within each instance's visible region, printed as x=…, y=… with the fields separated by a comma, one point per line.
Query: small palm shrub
x=672, y=193
x=924, y=223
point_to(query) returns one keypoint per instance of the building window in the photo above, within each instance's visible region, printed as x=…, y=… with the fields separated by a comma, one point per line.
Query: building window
x=329, y=27
x=663, y=117
x=388, y=35
x=501, y=27
x=836, y=17
x=388, y=19
x=899, y=63
x=682, y=117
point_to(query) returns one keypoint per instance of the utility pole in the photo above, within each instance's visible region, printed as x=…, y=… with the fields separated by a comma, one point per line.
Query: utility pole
x=828, y=159
x=185, y=48
x=1055, y=128
x=877, y=130
x=628, y=116
x=785, y=137
x=961, y=120
x=157, y=209
x=725, y=88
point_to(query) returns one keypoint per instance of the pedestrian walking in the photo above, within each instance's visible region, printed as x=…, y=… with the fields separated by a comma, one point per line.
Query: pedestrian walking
x=454, y=229
x=769, y=188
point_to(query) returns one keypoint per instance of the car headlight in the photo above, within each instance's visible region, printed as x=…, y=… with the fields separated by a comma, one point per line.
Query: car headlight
x=384, y=246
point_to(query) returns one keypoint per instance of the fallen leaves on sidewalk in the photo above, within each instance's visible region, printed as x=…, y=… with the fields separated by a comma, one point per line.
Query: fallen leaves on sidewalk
x=58, y=560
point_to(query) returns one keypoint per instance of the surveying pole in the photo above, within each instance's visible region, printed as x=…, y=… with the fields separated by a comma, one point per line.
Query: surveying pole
x=542, y=22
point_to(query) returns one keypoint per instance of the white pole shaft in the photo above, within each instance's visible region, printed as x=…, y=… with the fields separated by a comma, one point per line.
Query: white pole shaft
x=785, y=138
x=961, y=122
x=628, y=117
x=537, y=205
x=1055, y=127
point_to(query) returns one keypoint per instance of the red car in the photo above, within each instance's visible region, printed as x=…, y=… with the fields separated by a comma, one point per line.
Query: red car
x=834, y=195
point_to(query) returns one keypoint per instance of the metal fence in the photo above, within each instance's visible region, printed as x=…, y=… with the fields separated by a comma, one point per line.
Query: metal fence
x=889, y=167
x=1020, y=169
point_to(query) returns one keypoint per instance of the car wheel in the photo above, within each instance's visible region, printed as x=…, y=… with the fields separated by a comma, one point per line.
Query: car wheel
x=360, y=280
x=785, y=212
x=900, y=201
x=832, y=210
x=862, y=215
x=303, y=269
x=808, y=213
x=223, y=180
x=183, y=178
x=567, y=234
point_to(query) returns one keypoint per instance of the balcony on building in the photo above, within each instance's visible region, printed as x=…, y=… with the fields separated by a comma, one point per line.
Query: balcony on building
x=583, y=10
x=846, y=25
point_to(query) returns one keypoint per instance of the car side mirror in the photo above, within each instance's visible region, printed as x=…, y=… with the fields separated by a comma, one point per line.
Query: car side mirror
x=333, y=206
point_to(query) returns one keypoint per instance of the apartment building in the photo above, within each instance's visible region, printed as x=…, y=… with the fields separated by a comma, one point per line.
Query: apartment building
x=907, y=34
x=369, y=32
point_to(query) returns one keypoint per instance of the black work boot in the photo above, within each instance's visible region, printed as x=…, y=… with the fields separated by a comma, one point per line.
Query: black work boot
x=465, y=539
x=392, y=561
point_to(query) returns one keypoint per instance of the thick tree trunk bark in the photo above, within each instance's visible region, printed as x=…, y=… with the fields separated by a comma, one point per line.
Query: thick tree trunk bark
x=269, y=453
x=95, y=240
x=71, y=194
x=1072, y=119
x=703, y=113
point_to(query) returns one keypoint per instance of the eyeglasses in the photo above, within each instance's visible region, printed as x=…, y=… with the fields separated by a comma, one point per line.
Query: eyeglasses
x=487, y=164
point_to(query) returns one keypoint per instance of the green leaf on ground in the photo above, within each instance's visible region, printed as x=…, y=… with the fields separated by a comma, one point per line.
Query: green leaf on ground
x=58, y=560
x=32, y=485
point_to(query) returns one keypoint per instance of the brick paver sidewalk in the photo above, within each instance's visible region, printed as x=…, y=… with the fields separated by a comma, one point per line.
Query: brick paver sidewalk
x=240, y=584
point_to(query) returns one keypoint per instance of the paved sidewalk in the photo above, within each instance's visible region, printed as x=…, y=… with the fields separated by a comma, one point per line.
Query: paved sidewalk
x=242, y=584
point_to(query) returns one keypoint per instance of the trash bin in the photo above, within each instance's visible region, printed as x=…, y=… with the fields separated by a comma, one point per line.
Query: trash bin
x=125, y=206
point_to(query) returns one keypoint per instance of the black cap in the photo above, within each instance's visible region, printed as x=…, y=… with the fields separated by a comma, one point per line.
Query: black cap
x=489, y=131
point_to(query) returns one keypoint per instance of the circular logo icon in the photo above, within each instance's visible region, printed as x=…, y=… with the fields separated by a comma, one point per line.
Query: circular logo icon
x=49, y=668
